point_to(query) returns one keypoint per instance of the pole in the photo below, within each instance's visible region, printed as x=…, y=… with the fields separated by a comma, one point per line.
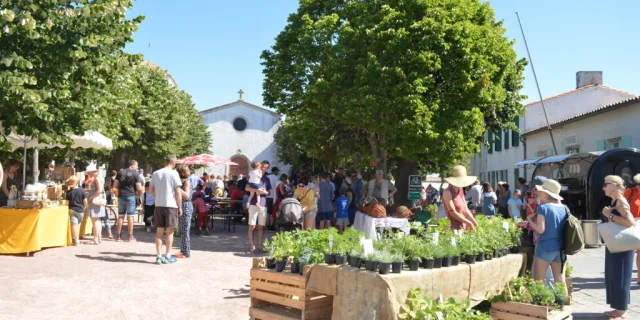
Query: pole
x=24, y=167
x=544, y=109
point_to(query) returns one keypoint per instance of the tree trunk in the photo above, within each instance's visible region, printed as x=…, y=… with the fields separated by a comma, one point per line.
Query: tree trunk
x=118, y=159
x=405, y=169
x=378, y=155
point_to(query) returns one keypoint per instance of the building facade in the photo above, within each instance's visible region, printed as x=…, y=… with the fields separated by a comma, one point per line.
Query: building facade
x=242, y=132
x=506, y=148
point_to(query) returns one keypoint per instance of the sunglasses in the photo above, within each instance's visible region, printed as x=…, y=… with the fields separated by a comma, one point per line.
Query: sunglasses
x=607, y=183
x=301, y=186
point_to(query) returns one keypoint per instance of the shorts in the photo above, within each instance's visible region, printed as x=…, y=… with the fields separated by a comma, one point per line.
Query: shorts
x=255, y=185
x=328, y=215
x=76, y=217
x=342, y=222
x=166, y=218
x=553, y=256
x=127, y=205
x=257, y=215
x=311, y=214
x=245, y=200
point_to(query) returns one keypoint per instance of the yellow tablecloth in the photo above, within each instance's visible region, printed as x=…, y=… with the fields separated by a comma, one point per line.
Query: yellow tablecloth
x=29, y=230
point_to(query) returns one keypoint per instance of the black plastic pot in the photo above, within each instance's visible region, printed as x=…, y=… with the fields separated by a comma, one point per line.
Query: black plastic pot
x=271, y=263
x=428, y=263
x=413, y=265
x=471, y=259
x=396, y=267
x=384, y=268
x=488, y=256
x=455, y=260
x=505, y=251
x=446, y=262
x=340, y=260
x=354, y=262
x=437, y=263
x=480, y=257
x=371, y=265
x=515, y=249
x=560, y=303
x=329, y=258
x=495, y=253
x=423, y=263
x=295, y=267
x=280, y=264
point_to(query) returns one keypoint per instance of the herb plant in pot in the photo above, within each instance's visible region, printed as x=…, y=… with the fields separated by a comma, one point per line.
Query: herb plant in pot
x=385, y=259
x=396, y=264
x=438, y=254
x=355, y=258
x=270, y=260
x=371, y=262
x=560, y=290
x=449, y=251
x=426, y=255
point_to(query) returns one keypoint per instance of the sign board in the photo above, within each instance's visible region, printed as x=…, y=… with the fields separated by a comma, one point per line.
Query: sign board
x=415, y=183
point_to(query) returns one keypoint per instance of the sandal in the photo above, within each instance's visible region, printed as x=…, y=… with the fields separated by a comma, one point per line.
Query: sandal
x=179, y=255
x=613, y=314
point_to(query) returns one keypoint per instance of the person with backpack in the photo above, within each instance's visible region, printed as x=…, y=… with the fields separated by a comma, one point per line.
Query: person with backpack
x=633, y=197
x=550, y=219
x=618, y=266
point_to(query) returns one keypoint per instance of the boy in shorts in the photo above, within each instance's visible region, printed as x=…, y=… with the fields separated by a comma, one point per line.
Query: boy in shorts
x=342, y=210
x=77, y=198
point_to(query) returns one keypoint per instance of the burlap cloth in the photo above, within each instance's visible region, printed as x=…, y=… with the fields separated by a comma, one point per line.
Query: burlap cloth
x=360, y=294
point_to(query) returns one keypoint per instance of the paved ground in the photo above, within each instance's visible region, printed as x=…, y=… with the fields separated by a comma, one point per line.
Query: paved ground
x=589, y=300
x=120, y=281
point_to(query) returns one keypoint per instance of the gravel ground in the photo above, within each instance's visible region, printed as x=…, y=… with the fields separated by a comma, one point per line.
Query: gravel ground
x=119, y=280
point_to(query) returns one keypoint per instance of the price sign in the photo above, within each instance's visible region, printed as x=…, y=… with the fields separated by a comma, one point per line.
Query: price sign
x=330, y=241
x=436, y=238
x=367, y=246
x=439, y=315
x=453, y=241
x=505, y=226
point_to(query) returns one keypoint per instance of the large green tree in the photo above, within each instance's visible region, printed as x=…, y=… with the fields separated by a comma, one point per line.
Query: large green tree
x=55, y=56
x=419, y=80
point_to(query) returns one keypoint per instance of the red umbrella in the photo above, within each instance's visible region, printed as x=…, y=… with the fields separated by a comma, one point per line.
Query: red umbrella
x=206, y=159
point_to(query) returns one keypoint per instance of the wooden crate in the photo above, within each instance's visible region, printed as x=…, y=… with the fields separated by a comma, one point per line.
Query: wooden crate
x=283, y=295
x=523, y=311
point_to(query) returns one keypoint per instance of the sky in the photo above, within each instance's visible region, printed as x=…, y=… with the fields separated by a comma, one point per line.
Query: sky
x=212, y=47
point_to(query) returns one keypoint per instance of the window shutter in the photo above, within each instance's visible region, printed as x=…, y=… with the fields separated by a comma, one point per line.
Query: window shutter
x=535, y=154
x=506, y=140
x=490, y=140
x=550, y=152
x=515, y=134
x=625, y=142
x=498, y=146
x=601, y=145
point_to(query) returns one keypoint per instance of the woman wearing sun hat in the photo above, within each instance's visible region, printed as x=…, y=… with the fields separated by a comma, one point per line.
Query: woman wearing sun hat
x=453, y=199
x=548, y=222
x=618, y=267
x=93, y=186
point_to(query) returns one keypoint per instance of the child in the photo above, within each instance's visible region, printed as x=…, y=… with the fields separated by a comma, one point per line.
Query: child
x=515, y=205
x=149, y=207
x=325, y=207
x=255, y=177
x=211, y=183
x=342, y=210
x=77, y=198
x=203, y=214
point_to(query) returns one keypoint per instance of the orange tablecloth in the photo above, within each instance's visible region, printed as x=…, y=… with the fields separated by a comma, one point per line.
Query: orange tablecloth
x=29, y=230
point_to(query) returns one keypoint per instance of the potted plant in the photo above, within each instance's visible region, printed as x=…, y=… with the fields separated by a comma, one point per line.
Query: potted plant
x=270, y=260
x=396, y=263
x=371, y=262
x=560, y=291
x=385, y=258
x=426, y=255
x=438, y=254
x=449, y=251
x=355, y=258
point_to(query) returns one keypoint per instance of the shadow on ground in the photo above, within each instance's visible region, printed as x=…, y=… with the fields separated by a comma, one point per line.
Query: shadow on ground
x=580, y=283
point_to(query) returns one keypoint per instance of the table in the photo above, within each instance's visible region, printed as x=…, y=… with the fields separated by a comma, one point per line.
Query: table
x=369, y=224
x=361, y=294
x=228, y=218
x=29, y=230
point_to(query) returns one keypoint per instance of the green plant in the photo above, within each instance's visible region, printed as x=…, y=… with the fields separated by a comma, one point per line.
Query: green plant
x=356, y=253
x=424, y=250
x=560, y=291
x=397, y=257
x=385, y=257
x=419, y=306
x=568, y=270
x=372, y=256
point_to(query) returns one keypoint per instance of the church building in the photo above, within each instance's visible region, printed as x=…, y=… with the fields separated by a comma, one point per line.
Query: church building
x=242, y=132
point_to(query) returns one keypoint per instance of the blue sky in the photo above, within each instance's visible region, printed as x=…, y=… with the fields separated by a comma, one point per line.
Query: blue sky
x=212, y=47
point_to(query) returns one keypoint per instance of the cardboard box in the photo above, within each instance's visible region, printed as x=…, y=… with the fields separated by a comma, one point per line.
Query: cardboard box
x=51, y=193
x=57, y=173
x=68, y=172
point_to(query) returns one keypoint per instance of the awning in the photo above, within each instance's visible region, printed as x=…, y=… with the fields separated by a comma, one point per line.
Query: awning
x=554, y=159
x=526, y=162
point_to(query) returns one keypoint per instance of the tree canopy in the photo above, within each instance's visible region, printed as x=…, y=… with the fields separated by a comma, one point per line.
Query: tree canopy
x=413, y=79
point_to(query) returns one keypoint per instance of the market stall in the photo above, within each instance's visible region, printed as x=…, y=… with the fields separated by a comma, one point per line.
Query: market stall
x=360, y=294
x=29, y=230
x=368, y=224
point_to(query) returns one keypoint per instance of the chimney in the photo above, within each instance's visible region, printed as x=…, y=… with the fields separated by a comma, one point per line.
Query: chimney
x=585, y=78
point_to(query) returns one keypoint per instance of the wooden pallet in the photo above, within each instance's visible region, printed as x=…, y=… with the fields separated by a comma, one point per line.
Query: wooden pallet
x=283, y=295
x=523, y=311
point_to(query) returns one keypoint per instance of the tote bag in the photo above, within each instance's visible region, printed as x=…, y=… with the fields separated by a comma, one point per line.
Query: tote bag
x=618, y=238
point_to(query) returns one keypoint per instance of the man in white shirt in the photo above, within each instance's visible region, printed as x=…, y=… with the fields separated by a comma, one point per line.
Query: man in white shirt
x=476, y=195
x=164, y=185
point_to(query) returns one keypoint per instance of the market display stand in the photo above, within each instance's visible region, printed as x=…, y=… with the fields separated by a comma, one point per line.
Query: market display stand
x=284, y=295
x=30, y=230
x=368, y=224
x=522, y=311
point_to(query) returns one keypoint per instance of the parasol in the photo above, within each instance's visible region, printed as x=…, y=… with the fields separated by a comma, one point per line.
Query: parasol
x=206, y=159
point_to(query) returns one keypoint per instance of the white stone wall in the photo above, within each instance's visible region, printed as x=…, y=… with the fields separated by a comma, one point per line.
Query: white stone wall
x=609, y=125
x=255, y=142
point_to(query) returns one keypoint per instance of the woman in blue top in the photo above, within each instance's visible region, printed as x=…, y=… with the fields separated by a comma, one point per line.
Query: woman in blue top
x=617, y=266
x=549, y=222
x=488, y=200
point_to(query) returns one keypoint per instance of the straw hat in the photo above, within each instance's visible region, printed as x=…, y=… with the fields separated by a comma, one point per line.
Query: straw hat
x=91, y=168
x=72, y=181
x=552, y=188
x=459, y=177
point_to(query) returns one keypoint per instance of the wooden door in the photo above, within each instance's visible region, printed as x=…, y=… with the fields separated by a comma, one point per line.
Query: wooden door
x=241, y=168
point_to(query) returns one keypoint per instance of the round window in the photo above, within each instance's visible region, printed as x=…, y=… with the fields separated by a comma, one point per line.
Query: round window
x=240, y=124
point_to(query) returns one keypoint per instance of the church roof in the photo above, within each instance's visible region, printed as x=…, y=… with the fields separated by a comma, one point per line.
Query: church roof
x=236, y=103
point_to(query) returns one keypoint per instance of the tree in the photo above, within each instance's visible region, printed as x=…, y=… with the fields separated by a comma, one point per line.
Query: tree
x=418, y=80
x=54, y=58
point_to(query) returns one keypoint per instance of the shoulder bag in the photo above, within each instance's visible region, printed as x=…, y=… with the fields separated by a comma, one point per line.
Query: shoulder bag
x=100, y=200
x=618, y=238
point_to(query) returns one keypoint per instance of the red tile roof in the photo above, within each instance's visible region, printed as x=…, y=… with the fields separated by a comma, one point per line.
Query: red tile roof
x=581, y=89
